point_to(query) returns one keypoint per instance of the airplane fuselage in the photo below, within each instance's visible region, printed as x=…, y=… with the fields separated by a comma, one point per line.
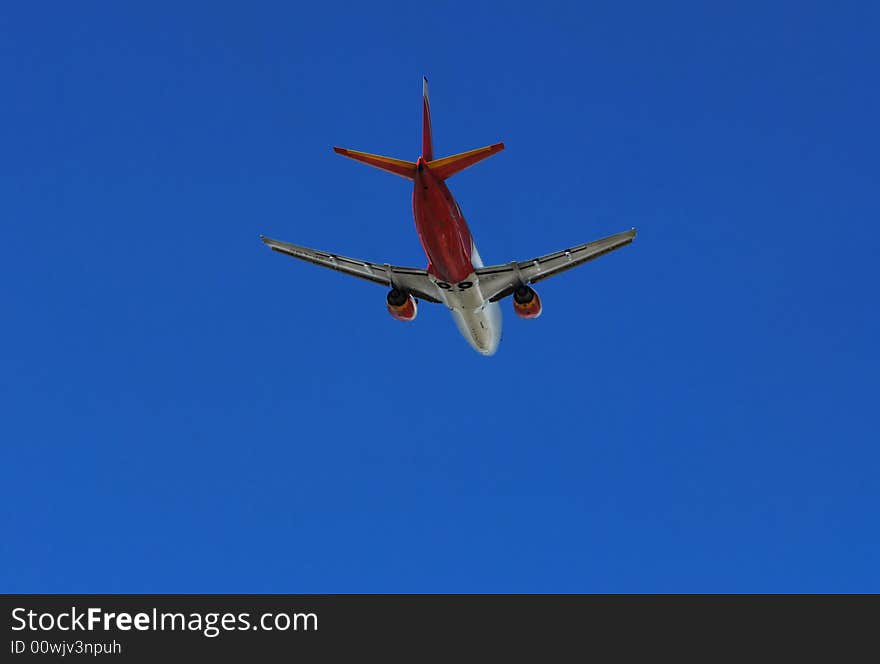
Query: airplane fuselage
x=455, y=275
x=452, y=259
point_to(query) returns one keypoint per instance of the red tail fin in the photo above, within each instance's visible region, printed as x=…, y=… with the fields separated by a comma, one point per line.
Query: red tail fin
x=427, y=139
x=441, y=168
x=449, y=166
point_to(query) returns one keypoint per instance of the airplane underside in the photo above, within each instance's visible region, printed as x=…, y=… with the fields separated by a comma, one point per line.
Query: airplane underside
x=480, y=327
x=478, y=320
x=455, y=275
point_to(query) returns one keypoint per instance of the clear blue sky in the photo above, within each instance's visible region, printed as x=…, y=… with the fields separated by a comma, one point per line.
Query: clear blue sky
x=185, y=411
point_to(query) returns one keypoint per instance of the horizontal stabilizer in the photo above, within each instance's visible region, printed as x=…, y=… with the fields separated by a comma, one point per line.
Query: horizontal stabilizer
x=406, y=169
x=449, y=166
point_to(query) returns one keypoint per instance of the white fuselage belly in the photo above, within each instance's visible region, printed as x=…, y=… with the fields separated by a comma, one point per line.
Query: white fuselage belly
x=481, y=327
x=478, y=320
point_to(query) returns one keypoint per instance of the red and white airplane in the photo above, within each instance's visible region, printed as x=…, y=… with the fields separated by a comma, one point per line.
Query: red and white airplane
x=455, y=275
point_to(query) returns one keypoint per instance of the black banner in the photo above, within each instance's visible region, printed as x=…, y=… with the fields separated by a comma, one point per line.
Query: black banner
x=415, y=627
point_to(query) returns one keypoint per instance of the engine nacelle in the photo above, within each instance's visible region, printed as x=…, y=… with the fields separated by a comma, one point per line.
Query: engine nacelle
x=401, y=305
x=526, y=303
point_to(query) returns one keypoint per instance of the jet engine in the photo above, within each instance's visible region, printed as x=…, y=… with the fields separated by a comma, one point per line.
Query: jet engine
x=526, y=303
x=401, y=305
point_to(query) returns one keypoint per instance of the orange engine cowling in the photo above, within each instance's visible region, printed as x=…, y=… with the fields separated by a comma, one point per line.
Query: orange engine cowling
x=526, y=303
x=401, y=305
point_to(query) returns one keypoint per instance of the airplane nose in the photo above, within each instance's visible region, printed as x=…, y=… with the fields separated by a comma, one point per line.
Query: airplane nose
x=489, y=346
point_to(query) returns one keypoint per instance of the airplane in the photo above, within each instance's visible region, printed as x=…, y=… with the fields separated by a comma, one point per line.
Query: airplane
x=455, y=275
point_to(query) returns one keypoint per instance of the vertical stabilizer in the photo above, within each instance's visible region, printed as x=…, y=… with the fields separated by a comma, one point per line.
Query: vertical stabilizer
x=427, y=139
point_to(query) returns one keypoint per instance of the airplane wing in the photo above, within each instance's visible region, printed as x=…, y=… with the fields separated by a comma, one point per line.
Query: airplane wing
x=409, y=279
x=499, y=281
